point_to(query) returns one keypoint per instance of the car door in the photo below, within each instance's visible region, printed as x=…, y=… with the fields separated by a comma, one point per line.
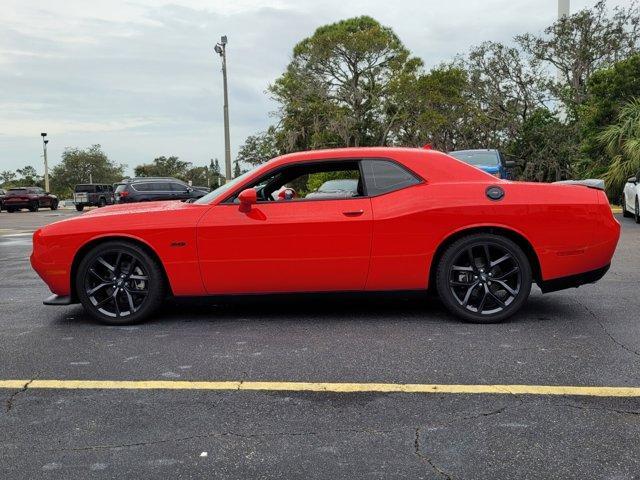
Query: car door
x=286, y=246
x=179, y=191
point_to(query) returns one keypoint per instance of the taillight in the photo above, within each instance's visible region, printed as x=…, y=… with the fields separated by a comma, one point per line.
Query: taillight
x=124, y=193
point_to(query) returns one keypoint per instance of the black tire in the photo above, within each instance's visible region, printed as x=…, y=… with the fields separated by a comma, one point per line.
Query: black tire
x=496, y=288
x=625, y=213
x=119, y=275
x=79, y=207
x=34, y=206
x=54, y=206
x=636, y=214
x=101, y=203
x=10, y=209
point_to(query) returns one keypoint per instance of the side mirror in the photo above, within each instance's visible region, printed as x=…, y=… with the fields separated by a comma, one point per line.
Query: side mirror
x=510, y=163
x=633, y=180
x=247, y=198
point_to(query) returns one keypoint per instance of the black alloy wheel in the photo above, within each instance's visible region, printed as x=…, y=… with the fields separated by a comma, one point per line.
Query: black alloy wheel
x=484, y=278
x=119, y=283
x=34, y=206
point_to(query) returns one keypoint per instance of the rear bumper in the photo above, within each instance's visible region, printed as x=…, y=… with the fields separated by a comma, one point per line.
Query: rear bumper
x=573, y=281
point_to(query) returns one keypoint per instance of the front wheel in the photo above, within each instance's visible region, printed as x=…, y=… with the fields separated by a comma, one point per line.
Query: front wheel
x=54, y=206
x=118, y=283
x=484, y=278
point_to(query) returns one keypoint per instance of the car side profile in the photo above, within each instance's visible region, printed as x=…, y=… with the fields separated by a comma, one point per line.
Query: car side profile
x=631, y=198
x=153, y=189
x=419, y=220
x=32, y=198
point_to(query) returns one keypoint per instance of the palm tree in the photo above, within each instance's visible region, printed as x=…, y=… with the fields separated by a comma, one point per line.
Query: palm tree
x=621, y=140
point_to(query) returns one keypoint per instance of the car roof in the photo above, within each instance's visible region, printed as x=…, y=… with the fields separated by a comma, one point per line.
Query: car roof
x=150, y=179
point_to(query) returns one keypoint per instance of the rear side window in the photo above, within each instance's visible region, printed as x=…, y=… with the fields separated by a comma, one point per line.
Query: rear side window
x=382, y=176
x=121, y=188
x=178, y=187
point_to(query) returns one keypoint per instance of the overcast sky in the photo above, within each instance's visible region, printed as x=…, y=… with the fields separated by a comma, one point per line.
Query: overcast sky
x=140, y=78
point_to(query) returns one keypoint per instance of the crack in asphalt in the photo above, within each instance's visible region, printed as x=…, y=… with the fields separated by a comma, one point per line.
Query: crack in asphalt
x=422, y=456
x=9, y=403
x=604, y=329
x=598, y=409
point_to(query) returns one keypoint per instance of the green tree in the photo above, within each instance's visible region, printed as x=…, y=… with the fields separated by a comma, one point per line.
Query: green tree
x=164, y=167
x=259, y=148
x=77, y=164
x=336, y=89
x=28, y=177
x=7, y=177
x=609, y=90
x=545, y=147
x=215, y=177
x=579, y=44
x=197, y=176
x=622, y=142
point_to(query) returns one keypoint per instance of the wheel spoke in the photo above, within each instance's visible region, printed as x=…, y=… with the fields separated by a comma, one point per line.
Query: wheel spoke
x=500, y=260
x=130, y=300
x=103, y=301
x=468, y=294
x=97, y=275
x=505, y=275
x=486, y=254
x=482, y=302
x=472, y=261
x=115, y=302
x=497, y=300
x=462, y=269
x=137, y=291
x=504, y=285
x=95, y=289
x=138, y=277
x=106, y=264
x=118, y=259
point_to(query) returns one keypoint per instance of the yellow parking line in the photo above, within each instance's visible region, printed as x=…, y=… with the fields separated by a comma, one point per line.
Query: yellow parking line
x=590, y=391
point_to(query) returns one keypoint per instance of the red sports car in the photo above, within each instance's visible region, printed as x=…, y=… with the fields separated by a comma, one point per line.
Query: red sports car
x=417, y=219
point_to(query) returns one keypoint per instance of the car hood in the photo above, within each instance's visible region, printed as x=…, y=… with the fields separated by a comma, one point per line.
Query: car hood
x=141, y=207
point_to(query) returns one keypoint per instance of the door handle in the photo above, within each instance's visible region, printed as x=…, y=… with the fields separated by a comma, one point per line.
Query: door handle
x=353, y=213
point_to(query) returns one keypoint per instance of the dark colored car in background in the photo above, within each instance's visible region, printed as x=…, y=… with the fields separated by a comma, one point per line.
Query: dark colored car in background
x=92, y=194
x=2, y=195
x=491, y=161
x=151, y=189
x=32, y=198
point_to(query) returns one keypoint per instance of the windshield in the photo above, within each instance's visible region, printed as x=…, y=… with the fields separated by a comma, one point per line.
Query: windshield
x=224, y=188
x=480, y=158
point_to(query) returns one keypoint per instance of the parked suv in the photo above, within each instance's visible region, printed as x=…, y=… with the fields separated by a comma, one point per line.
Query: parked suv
x=92, y=194
x=150, y=189
x=29, y=197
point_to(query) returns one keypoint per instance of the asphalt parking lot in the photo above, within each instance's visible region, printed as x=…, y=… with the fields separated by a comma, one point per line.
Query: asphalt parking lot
x=581, y=337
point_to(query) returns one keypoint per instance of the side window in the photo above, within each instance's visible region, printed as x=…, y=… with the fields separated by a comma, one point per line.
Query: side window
x=143, y=187
x=178, y=187
x=324, y=180
x=382, y=176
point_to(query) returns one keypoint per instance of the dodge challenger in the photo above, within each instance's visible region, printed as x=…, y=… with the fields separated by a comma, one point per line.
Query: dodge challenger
x=416, y=220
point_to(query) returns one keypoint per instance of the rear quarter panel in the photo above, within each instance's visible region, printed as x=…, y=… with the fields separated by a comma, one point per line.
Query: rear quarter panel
x=559, y=221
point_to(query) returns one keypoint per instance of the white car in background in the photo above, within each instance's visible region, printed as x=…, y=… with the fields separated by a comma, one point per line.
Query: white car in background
x=630, y=198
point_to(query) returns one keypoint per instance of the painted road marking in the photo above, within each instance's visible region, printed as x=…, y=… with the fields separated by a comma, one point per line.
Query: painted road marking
x=589, y=391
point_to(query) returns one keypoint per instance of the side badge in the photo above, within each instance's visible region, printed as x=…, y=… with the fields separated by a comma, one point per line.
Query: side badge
x=178, y=244
x=495, y=193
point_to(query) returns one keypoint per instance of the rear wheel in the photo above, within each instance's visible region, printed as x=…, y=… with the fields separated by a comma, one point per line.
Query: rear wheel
x=101, y=203
x=34, y=206
x=118, y=283
x=484, y=278
x=79, y=207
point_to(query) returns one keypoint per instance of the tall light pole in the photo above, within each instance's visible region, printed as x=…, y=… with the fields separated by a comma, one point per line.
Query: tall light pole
x=46, y=165
x=221, y=49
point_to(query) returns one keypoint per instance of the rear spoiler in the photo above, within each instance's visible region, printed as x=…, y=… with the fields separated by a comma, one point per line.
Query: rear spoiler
x=588, y=182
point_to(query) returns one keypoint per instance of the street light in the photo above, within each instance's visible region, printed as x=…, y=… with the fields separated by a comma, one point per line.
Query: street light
x=46, y=165
x=220, y=49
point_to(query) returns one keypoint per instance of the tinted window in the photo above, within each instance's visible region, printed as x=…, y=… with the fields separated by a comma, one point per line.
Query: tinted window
x=478, y=158
x=178, y=187
x=84, y=188
x=121, y=188
x=382, y=176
